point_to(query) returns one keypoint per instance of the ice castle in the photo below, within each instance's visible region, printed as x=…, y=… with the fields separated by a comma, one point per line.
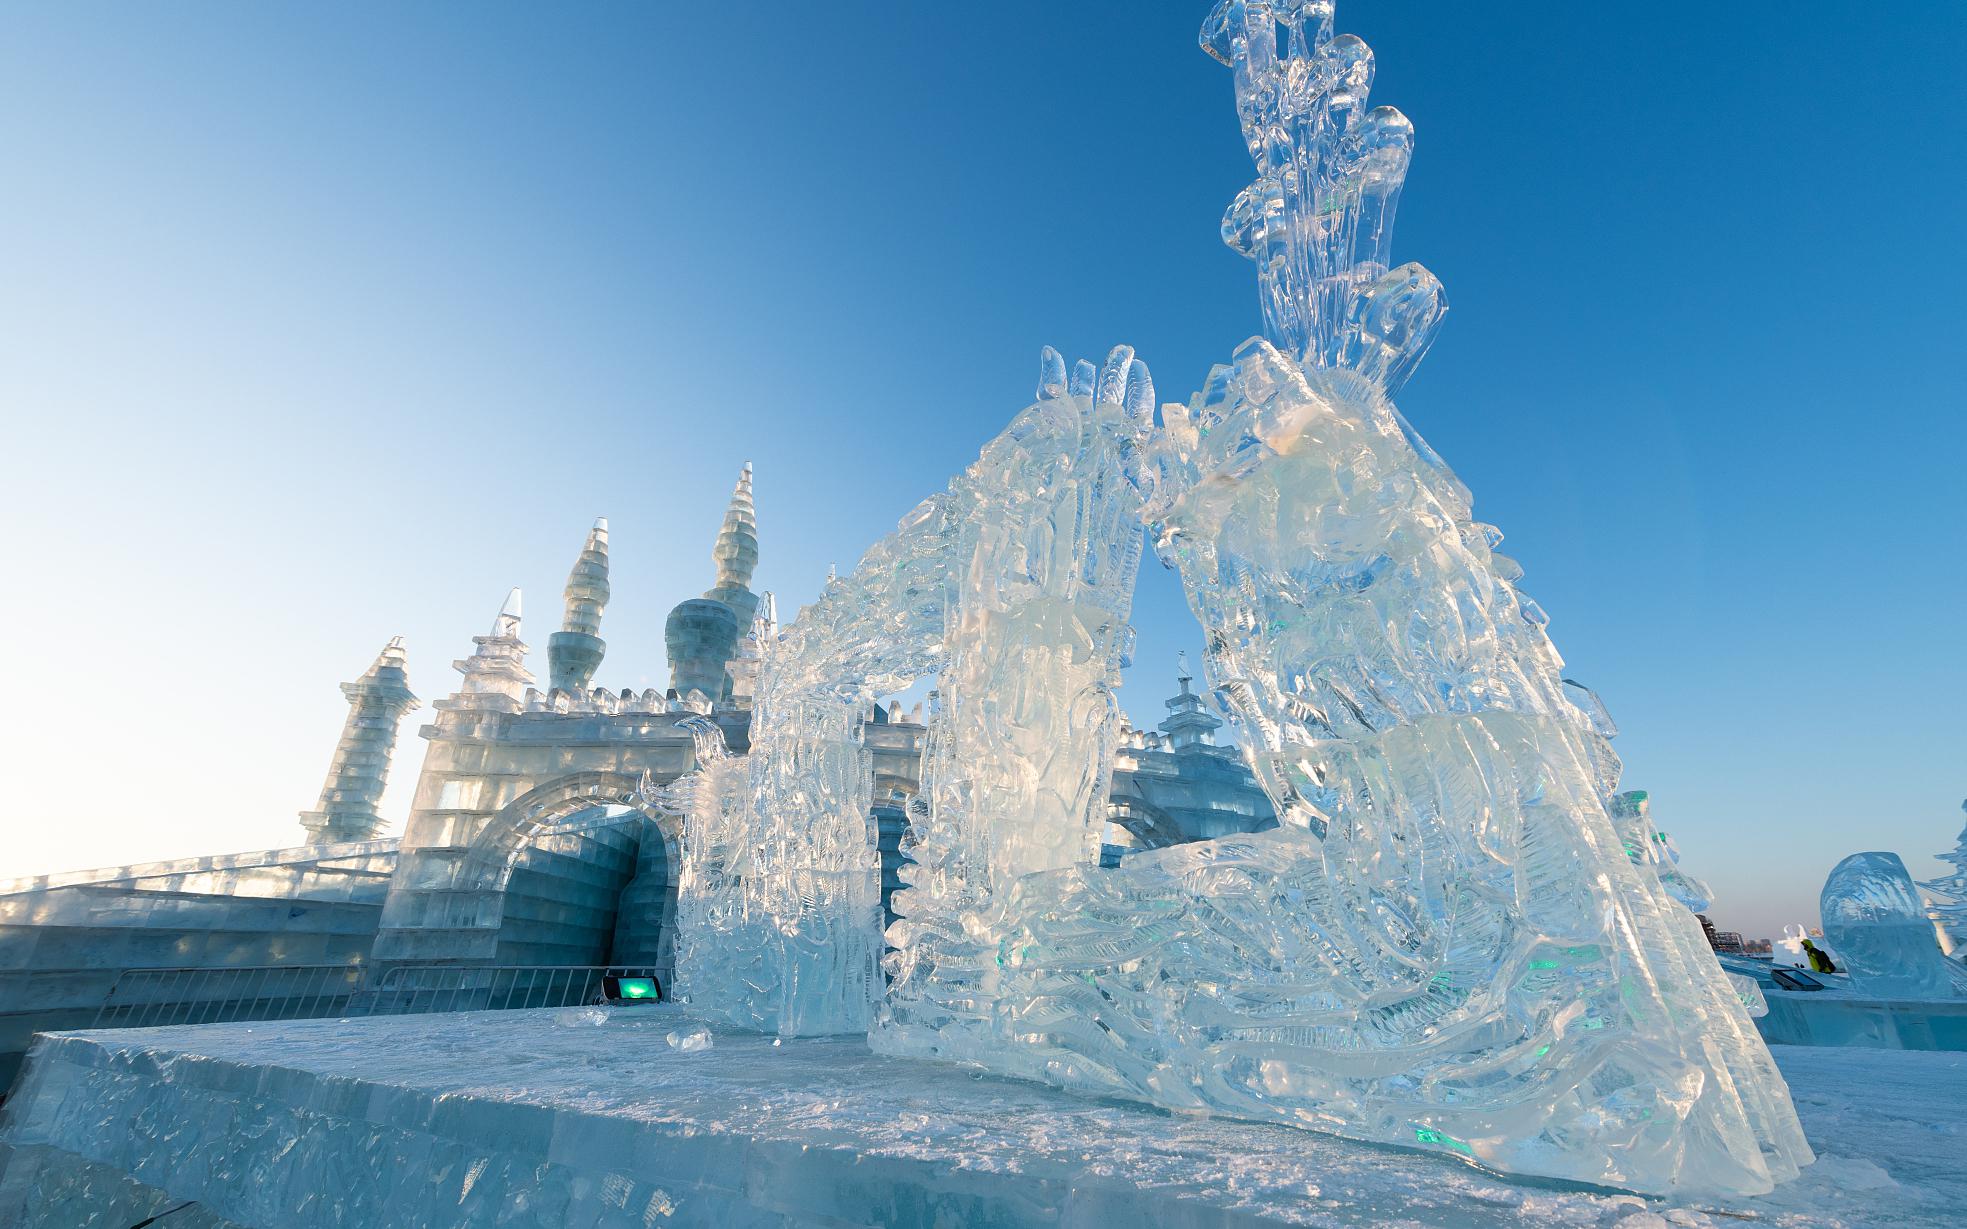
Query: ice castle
x=1415, y=912
x=532, y=839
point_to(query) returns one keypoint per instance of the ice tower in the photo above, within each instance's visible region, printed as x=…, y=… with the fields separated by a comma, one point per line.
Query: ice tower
x=702, y=634
x=495, y=676
x=360, y=769
x=574, y=652
x=1189, y=724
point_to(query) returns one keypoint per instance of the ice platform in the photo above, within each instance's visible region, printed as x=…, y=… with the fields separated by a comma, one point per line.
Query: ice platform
x=546, y=1118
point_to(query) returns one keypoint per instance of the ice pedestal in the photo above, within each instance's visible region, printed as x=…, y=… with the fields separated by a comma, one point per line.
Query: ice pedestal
x=513, y=1119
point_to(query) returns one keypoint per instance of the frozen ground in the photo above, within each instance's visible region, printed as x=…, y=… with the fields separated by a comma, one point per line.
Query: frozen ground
x=545, y=1118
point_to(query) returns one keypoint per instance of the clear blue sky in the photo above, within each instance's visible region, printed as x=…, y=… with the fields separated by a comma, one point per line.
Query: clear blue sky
x=320, y=324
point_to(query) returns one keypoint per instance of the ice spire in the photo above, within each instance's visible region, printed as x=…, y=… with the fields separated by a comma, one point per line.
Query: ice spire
x=495, y=676
x=574, y=652
x=737, y=553
x=702, y=634
x=360, y=768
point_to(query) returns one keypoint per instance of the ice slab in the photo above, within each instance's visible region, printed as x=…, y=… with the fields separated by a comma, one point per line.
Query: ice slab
x=517, y=1119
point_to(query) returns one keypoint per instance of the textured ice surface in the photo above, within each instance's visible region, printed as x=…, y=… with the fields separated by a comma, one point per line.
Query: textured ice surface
x=1021, y=745
x=779, y=894
x=1024, y=569
x=1647, y=846
x=1873, y=919
x=506, y=1118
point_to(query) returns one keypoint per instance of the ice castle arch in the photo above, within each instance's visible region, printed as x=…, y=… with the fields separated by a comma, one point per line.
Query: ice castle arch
x=1443, y=944
x=457, y=902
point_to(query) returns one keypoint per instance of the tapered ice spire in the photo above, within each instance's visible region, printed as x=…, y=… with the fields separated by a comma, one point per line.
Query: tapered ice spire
x=574, y=652
x=495, y=676
x=507, y=622
x=360, y=768
x=702, y=634
x=737, y=553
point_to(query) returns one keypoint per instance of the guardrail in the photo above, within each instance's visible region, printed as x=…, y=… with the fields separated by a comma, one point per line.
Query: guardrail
x=148, y=998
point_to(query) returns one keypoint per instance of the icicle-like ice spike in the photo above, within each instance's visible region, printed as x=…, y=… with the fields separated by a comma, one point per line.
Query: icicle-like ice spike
x=1113, y=376
x=1310, y=24
x=1140, y=392
x=1084, y=376
x=1386, y=147
x=1051, y=374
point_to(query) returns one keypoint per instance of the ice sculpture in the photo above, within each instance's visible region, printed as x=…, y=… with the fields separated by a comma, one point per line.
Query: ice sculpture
x=1645, y=845
x=1025, y=564
x=778, y=895
x=1021, y=747
x=1947, y=899
x=1882, y=936
x=1443, y=944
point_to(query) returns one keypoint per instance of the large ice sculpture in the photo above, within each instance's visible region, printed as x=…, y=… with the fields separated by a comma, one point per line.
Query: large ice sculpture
x=1444, y=943
x=1883, y=939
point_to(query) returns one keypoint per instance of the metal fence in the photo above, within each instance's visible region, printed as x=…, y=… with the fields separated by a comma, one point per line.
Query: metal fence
x=145, y=998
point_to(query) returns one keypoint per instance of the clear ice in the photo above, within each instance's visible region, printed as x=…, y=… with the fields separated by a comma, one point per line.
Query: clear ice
x=1875, y=923
x=1025, y=565
x=1647, y=846
x=1946, y=898
x=1445, y=944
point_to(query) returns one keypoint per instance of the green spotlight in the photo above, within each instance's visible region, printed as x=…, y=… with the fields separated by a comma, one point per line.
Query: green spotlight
x=631, y=989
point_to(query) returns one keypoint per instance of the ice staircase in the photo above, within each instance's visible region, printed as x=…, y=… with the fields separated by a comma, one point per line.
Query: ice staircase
x=66, y=938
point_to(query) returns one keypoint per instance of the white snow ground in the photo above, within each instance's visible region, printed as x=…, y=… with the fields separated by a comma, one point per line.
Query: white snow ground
x=551, y=1118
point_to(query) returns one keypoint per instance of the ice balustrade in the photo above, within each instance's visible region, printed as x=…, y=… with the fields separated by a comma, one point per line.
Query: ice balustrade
x=1443, y=945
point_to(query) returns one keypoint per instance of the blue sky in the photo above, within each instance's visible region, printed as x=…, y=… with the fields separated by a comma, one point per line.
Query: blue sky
x=320, y=324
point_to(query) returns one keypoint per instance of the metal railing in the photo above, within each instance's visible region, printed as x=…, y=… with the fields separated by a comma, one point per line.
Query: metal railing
x=148, y=998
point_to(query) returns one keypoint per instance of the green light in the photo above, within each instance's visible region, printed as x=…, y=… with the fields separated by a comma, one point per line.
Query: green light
x=1425, y=1136
x=637, y=988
